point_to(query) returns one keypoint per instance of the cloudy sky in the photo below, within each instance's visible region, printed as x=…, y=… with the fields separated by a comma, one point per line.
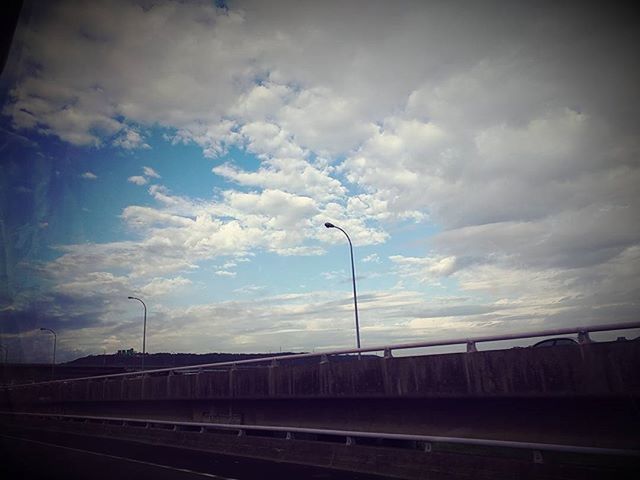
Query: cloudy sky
x=482, y=156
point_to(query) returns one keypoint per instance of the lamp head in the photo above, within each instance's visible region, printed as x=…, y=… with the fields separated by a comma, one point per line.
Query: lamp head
x=43, y=329
x=329, y=225
x=131, y=298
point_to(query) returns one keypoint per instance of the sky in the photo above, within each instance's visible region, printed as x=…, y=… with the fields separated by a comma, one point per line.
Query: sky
x=482, y=156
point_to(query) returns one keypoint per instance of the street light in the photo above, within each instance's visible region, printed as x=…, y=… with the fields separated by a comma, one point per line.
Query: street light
x=353, y=278
x=55, y=340
x=144, y=329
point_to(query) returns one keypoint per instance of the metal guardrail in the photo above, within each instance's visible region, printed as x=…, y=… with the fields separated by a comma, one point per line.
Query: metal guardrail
x=470, y=342
x=350, y=437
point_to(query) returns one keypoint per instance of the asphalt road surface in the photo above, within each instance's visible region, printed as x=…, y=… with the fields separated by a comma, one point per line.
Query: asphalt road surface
x=36, y=454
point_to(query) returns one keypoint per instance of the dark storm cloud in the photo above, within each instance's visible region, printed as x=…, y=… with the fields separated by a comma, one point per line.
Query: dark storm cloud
x=59, y=312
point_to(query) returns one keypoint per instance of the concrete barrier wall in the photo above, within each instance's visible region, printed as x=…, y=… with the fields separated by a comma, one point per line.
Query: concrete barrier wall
x=409, y=461
x=599, y=369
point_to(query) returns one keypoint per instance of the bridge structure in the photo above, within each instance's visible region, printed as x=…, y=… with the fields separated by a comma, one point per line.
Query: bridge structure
x=567, y=411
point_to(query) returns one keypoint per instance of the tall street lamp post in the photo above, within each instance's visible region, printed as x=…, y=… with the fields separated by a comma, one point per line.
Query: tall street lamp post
x=144, y=329
x=55, y=340
x=353, y=278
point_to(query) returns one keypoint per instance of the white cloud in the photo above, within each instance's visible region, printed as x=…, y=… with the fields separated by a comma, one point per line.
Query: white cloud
x=290, y=175
x=268, y=139
x=225, y=273
x=130, y=139
x=373, y=258
x=92, y=284
x=163, y=286
x=333, y=275
x=425, y=269
x=137, y=180
x=89, y=176
x=150, y=172
x=325, y=123
x=261, y=103
x=569, y=239
x=178, y=233
x=212, y=138
x=147, y=217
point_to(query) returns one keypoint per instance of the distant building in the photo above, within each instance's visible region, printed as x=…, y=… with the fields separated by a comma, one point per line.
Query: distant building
x=127, y=353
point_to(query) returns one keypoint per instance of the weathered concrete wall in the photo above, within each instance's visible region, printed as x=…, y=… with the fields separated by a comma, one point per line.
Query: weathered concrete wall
x=604, y=422
x=599, y=369
x=442, y=462
x=586, y=395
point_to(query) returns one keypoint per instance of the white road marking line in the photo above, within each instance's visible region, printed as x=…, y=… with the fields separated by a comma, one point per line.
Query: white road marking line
x=209, y=475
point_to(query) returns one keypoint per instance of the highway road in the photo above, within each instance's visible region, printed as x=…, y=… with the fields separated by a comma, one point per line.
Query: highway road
x=28, y=453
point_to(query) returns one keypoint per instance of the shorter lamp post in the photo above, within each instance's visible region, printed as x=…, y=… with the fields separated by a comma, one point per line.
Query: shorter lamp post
x=55, y=340
x=144, y=329
x=353, y=277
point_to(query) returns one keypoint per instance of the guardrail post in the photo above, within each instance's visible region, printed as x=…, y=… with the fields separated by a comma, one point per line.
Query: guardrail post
x=231, y=377
x=428, y=447
x=324, y=359
x=143, y=385
x=290, y=436
x=583, y=337
x=197, y=386
x=241, y=433
x=169, y=382
x=537, y=457
x=350, y=441
x=388, y=353
x=471, y=346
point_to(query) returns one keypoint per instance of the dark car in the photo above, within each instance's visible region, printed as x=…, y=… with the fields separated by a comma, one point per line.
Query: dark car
x=555, y=342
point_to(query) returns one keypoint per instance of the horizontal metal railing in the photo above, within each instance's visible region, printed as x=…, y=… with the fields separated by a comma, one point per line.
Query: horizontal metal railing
x=470, y=342
x=350, y=437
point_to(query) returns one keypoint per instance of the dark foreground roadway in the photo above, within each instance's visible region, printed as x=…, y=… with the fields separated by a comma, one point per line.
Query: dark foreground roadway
x=36, y=454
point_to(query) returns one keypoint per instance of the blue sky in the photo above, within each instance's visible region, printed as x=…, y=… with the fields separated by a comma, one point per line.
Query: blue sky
x=483, y=160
